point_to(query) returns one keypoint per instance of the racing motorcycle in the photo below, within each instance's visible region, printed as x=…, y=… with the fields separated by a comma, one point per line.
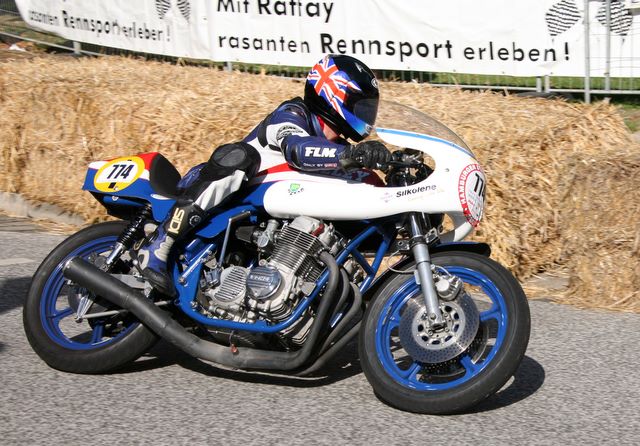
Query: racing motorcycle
x=296, y=266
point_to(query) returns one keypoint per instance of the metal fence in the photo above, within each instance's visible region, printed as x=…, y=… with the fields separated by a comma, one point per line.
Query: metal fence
x=11, y=25
x=13, y=28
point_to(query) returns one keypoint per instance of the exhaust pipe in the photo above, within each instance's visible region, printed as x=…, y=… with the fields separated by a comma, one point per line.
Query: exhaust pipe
x=161, y=322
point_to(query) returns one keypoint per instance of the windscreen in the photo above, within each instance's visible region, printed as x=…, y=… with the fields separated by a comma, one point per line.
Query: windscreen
x=392, y=115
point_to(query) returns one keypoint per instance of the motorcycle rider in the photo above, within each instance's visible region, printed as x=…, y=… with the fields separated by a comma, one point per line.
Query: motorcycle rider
x=340, y=101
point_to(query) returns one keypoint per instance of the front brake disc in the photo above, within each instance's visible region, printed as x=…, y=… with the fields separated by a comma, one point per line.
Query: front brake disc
x=430, y=346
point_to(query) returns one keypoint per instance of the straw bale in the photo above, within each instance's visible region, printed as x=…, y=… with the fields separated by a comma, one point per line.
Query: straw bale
x=57, y=115
x=601, y=230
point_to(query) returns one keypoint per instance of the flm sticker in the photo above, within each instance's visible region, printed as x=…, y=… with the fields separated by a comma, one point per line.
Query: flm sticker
x=471, y=190
x=118, y=174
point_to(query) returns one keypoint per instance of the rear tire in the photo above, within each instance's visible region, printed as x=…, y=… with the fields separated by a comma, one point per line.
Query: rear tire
x=460, y=383
x=44, y=313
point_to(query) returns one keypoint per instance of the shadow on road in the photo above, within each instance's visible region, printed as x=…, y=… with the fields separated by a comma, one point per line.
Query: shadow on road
x=342, y=366
x=13, y=292
x=527, y=380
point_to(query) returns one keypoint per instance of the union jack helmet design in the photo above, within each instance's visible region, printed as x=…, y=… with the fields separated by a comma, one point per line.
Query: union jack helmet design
x=343, y=92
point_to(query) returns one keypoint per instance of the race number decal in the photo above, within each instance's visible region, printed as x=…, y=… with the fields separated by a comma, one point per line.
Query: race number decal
x=471, y=190
x=118, y=174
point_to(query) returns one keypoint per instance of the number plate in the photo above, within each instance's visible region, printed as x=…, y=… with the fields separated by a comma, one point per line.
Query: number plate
x=118, y=174
x=471, y=190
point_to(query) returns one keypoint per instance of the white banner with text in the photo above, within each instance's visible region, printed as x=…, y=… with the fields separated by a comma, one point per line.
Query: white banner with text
x=519, y=38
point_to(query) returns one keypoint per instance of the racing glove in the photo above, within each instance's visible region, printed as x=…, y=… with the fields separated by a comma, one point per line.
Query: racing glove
x=370, y=154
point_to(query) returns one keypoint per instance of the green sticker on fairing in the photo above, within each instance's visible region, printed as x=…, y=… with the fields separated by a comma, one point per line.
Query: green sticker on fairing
x=295, y=188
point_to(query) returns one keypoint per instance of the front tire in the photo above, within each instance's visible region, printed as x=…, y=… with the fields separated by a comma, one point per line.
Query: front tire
x=94, y=345
x=479, y=371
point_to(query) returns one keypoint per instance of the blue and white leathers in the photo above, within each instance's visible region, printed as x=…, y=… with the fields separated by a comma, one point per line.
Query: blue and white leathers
x=295, y=132
x=292, y=134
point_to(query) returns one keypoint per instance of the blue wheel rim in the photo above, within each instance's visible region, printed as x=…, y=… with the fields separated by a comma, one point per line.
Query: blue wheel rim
x=50, y=317
x=389, y=319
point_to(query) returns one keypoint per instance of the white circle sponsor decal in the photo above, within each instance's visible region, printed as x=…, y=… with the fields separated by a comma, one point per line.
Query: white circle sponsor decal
x=471, y=190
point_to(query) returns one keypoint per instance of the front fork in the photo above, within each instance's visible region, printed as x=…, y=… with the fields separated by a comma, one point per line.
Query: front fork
x=425, y=276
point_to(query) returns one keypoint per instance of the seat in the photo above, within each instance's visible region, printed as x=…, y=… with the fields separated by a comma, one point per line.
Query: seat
x=164, y=177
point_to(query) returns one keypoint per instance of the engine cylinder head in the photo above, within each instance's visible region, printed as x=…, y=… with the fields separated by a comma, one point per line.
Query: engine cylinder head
x=293, y=247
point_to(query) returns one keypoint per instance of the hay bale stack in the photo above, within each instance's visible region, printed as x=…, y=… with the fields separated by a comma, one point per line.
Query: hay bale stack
x=57, y=115
x=601, y=229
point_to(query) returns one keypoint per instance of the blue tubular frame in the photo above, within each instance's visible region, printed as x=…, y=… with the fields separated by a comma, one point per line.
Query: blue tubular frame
x=351, y=248
x=188, y=289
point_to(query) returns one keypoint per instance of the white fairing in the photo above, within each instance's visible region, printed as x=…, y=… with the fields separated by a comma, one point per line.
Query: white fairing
x=456, y=187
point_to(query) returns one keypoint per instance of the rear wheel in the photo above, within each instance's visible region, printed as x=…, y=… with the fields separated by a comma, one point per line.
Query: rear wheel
x=93, y=344
x=419, y=369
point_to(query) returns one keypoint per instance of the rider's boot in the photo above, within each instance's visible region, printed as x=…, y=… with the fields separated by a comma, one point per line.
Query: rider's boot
x=153, y=253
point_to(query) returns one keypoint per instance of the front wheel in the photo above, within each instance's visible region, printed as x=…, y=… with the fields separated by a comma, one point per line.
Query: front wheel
x=94, y=344
x=417, y=368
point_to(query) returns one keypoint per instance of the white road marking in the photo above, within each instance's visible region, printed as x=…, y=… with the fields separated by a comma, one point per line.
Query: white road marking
x=15, y=261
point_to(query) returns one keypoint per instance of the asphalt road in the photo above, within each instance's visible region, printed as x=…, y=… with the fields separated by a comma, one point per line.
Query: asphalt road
x=578, y=384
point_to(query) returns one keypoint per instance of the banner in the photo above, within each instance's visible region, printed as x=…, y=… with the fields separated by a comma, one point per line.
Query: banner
x=494, y=37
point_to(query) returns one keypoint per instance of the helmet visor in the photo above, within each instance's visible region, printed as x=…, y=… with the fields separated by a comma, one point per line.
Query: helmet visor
x=366, y=110
x=363, y=117
x=357, y=125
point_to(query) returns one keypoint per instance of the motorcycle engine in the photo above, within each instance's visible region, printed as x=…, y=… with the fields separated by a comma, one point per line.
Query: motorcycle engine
x=272, y=289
